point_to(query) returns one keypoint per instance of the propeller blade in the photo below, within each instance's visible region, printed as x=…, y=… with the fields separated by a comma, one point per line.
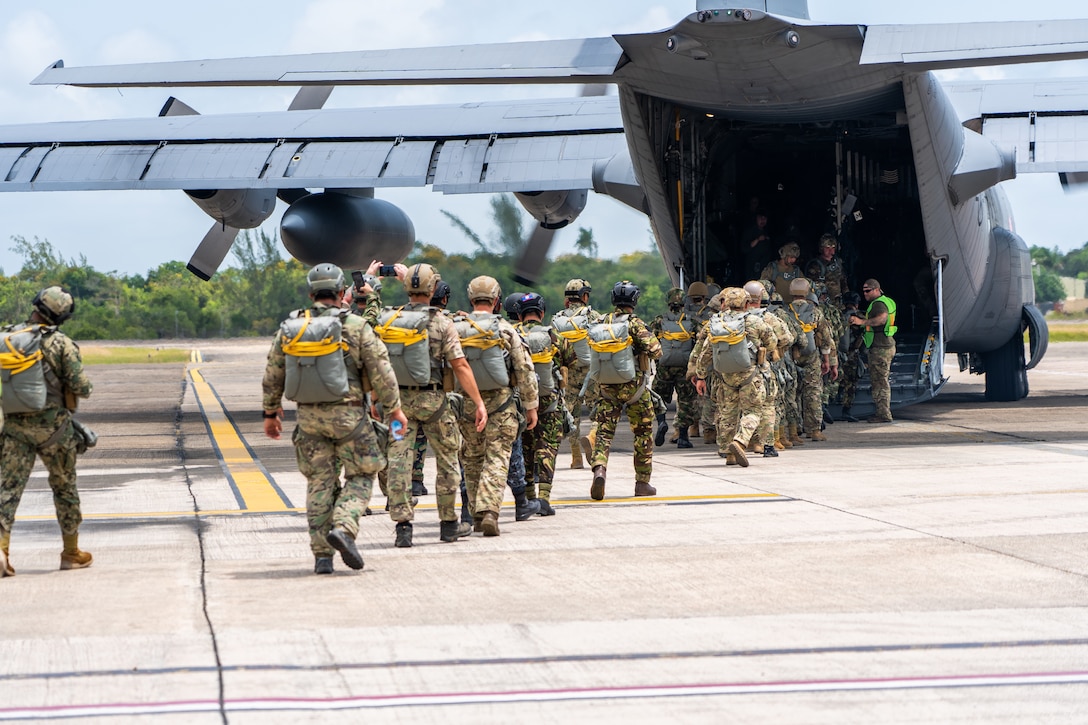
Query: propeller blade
x=310, y=98
x=527, y=268
x=212, y=251
x=291, y=195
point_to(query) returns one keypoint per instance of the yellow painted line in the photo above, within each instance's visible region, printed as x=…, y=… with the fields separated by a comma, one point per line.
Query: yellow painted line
x=252, y=486
x=196, y=356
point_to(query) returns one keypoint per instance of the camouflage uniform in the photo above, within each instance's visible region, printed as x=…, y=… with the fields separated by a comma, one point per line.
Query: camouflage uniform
x=335, y=436
x=640, y=407
x=781, y=274
x=837, y=325
x=881, y=353
x=674, y=377
x=705, y=405
x=486, y=455
x=541, y=443
x=770, y=370
x=428, y=407
x=810, y=381
x=830, y=273
x=47, y=433
x=576, y=377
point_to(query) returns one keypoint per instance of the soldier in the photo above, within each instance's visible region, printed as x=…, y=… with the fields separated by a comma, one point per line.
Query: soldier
x=768, y=420
x=516, y=478
x=785, y=270
x=734, y=344
x=500, y=365
x=699, y=309
x=828, y=269
x=624, y=350
x=787, y=412
x=549, y=354
x=43, y=428
x=571, y=323
x=850, y=353
x=836, y=323
x=334, y=429
x=879, y=322
x=675, y=331
x=423, y=375
x=812, y=354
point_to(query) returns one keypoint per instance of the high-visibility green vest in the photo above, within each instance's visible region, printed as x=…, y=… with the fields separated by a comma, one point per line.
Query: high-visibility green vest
x=889, y=324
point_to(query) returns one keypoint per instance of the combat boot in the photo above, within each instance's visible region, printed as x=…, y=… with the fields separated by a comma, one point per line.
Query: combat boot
x=6, y=569
x=710, y=435
x=525, y=508
x=817, y=435
x=643, y=488
x=450, y=531
x=693, y=430
x=846, y=415
x=682, y=440
x=778, y=444
x=770, y=452
x=795, y=437
x=546, y=508
x=596, y=491
x=575, y=454
x=588, y=441
x=730, y=459
x=782, y=435
x=828, y=420
x=464, y=528
x=676, y=433
x=738, y=452
x=418, y=489
x=489, y=524
x=342, y=542
x=323, y=565
x=754, y=446
x=404, y=535
x=477, y=523
x=662, y=429
x=72, y=557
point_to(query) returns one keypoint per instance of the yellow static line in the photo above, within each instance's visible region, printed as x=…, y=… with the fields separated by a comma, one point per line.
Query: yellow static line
x=254, y=488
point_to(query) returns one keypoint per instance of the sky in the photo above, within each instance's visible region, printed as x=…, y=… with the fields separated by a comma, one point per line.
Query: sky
x=132, y=232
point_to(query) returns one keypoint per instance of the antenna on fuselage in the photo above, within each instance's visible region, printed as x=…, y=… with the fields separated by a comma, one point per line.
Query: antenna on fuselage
x=781, y=8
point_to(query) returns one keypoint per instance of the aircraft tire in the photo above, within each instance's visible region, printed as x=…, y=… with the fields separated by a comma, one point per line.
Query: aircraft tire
x=1006, y=373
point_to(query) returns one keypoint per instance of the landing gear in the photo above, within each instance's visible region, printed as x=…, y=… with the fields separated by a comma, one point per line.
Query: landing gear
x=1006, y=372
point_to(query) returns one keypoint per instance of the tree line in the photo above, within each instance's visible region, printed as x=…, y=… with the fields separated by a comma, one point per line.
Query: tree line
x=1050, y=265
x=253, y=295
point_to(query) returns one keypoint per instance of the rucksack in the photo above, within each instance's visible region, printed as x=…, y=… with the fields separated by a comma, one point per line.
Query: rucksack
x=404, y=333
x=805, y=313
x=484, y=349
x=676, y=342
x=22, y=369
x=574, y=326
x=612, y=360
x=732, y=351
x=313, y=350
x=542, y=350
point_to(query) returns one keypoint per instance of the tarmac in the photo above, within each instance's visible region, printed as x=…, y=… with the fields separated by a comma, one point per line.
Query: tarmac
x=930, y=570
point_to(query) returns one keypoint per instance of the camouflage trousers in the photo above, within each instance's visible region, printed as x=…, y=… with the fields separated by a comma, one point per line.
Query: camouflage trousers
x=810, y=392
x=767, y=415
x=326, y=443
x=486, y=456
x=880, y=367
x=419, y=454
x=849, y=375
x=740, y=398
x=576, y=376
x=640, y=413
x=791, y=408
x=429, y=410
x=20, y=442
x=515, y=472
x=675, y=378
x=708, y=407
x=542, y=445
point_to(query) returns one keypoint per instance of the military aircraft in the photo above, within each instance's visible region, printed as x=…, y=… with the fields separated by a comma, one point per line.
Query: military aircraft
x=834, y=127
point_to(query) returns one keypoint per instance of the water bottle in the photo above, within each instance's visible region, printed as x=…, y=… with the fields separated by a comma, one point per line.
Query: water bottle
x=397, y=429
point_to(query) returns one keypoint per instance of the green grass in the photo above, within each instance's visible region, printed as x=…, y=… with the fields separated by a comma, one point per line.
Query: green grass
x=102, y=355
x=1066, y=331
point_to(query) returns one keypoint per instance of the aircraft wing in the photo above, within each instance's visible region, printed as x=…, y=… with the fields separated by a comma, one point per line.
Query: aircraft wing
x=964, y=45
x=538, y=145
x=585, y=60
x=1046, y=121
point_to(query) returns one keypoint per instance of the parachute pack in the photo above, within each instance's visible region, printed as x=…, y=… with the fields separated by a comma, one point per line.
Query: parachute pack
x=22, y=369
x=316, y=371
x=542, y=350
x=484, y=349
x=612, y=353
x=574, y=326
x=676, y=341
x=731, y=348
x=404, y=333
x=805, y=312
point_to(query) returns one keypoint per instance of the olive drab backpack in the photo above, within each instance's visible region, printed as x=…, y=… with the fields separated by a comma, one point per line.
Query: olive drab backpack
x=612, y=359
x=404, y=333
x=732, y=351
x=542, y=350
x=676, y=340
x=805, y=314
x=574, y=326
x=22, y=369
x=485, y=349
x=313, y=350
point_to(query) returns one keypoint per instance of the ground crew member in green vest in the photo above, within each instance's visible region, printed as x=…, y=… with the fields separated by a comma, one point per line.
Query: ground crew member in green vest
x=504, y=365
x=332, y=435
x=47, y=433
x=635, y=394
x=879, y=322
x=427, y=404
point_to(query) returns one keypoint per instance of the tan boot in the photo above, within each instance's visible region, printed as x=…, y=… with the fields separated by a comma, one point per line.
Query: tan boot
x=778, y=444
x=6, y=569
x=588, y=441
x=490, y=524
x=738, y=453
x=754, y=446
x=817, y=435
x=710, y=435
x=72, y=557
x=643, y=488
x=783, y=435
x=693, y=430
x=795, y=438
x=675, y=435
x=575, y=454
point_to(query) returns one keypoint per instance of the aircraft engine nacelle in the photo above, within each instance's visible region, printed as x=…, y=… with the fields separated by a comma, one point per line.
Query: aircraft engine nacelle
x=348, y=230
x=554, y=209
x=238, y=208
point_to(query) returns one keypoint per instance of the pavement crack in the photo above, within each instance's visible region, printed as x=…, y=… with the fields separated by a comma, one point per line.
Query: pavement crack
x=179, y=446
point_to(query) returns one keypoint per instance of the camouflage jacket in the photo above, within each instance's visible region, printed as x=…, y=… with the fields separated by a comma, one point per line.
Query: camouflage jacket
x=830, y=273
x=825, y=340
x=365, y=350
x=758, y=331
x=65, y=366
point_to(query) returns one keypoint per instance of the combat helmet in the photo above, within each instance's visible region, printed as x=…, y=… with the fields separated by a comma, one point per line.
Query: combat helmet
x=789, y=249
x=675, y=297
x=576, y=288
x=441, y=293
x=828, y=240
x=54, y=304
x=800, y=287
x=698, y=289
x=421, y=279
x=484, y=288
x=510, y=305
x=325, y=277
x=757, y=293
x=625, y=294
x=734, y=298
x=531, y=302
